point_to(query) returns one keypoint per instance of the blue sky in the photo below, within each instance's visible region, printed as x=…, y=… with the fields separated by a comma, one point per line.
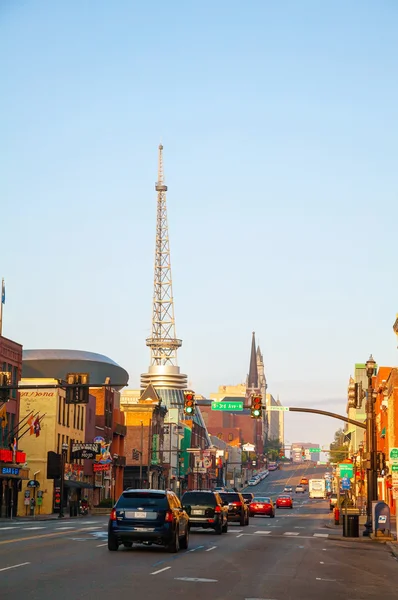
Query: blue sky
x=279, y=123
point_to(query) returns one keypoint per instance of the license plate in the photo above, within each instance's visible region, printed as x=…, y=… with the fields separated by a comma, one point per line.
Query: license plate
x=260, y=505
x=136, y=515
x=197, y=512
x=143, y=529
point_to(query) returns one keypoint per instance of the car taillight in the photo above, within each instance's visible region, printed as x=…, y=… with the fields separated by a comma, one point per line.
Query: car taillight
x=169, y=517
x=217, y=509
x=113, y=515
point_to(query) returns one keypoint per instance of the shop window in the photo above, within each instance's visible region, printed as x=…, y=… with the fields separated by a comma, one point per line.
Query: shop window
x=230, y=437
x=59, y=409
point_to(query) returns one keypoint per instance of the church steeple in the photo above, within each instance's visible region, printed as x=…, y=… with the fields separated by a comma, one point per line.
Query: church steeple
x=252, y=381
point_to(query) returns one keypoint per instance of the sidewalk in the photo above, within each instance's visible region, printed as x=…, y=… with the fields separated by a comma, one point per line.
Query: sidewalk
x=36, y=518
x=337, y=531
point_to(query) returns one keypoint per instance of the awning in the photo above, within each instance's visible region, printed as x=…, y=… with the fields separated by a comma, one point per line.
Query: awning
x=80, y=485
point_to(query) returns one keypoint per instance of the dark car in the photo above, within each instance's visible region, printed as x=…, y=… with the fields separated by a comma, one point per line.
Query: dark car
x=248, y=497
x=237, y=507
x=206, y=510
x=149, y=517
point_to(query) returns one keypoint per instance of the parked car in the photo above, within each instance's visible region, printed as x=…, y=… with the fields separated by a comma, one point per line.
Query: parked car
x=253, y=481
x=300, y=489
x=237, y=507
x=261, y=505
x=248, y=497
x=206, y=510
x=332, y=501
x=284, y=501
x=149, y=517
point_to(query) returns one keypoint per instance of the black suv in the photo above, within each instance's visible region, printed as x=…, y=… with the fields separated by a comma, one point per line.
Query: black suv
x=149, y=517
x=237, y=507
x=206, y=509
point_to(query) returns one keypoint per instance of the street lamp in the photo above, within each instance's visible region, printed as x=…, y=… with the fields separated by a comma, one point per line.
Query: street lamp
x=115, y=457
x=370, y=447
x=63, y=462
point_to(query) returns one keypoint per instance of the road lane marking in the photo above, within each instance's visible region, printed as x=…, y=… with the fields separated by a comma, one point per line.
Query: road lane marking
x=7, y=528
x=210, y=549
x=161, y=570
x=240, y=535
x=31, y=528
x=196, y=579
x=263, y=532
x=194, y=549
x=15, y=566
x=88, y=528
x=36, y=537
x=291, y=533
x=100, y=545
x=64, y=528
x=320, y=579
x=296, y=527
x=321, y=535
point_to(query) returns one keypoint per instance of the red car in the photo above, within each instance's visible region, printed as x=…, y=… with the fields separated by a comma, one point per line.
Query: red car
x=261, y=506
x=284, y=502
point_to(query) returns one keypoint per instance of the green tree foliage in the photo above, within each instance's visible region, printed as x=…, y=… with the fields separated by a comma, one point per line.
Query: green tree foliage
x=272, y=448
x=337, y=447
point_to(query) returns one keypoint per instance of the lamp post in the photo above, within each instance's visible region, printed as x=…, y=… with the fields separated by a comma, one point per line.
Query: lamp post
x=370, y=447
x=63, y=462
x=115, y=457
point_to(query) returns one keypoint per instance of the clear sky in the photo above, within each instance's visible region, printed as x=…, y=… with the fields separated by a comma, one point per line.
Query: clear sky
x=279, y=123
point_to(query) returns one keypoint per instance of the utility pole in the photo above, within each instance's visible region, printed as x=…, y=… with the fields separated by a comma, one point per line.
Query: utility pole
x=371, y=447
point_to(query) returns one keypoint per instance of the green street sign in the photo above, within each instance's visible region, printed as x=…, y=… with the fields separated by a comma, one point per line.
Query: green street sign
x=394, y=454
x=284, y=408
x=346, y=470
x=238, y=405
x=315, y=450
x=394, y=468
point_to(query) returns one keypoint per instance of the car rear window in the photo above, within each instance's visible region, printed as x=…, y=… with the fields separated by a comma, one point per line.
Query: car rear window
x=265, y=500
x=284, y=497
x=247, y=496
x=230, y=497
x=199, y=498
x=143, y=500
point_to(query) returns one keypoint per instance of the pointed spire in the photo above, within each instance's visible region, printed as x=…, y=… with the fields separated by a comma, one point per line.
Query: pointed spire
x=253, y=372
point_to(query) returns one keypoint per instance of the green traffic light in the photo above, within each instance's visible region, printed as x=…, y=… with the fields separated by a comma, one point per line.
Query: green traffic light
x=256, y=413
x=188, y=409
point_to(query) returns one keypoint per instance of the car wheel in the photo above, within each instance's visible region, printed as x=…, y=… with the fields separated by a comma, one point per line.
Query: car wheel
x=113, y=544
x=225, y=527
x=174, y=546
x=185, y=540
x=128, y=544
x=242, y=521
x=219, y=529
x=247, y=521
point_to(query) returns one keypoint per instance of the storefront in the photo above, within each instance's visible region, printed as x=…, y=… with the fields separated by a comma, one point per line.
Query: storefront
x=11, y=477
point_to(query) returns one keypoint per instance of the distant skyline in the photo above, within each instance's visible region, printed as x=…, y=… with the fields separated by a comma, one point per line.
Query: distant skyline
x=279, y=130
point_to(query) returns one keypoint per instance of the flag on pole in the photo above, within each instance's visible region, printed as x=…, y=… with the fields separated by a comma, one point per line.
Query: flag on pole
x=30, y=423
x=3, y=292
x=14, y=445
x=36, y=426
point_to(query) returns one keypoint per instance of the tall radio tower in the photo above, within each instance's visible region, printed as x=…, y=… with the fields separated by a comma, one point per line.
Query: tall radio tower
x=163, y=371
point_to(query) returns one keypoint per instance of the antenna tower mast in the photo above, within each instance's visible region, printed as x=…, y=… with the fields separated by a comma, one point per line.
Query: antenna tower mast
x=163, y=342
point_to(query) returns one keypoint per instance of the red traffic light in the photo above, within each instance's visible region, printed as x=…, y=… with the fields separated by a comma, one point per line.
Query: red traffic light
x=188, y=397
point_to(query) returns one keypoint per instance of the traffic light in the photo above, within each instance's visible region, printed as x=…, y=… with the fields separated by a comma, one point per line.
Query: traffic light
x=77, y=394
x=256, y=407
x=5, y=380
x=381, y=461
x=189, y=403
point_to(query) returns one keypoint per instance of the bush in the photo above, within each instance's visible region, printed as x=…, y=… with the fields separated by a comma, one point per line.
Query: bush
x=106, y=503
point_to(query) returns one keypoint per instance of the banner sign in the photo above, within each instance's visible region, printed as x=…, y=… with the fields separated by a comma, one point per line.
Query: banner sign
x=91, y=446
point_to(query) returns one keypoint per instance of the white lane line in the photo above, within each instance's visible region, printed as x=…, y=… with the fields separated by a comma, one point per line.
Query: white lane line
x=196, y=579
x=321, y=562
x=161, y=570
x=62, y=528
x=296, y=527
x=7, y=528
x=238, y=530
x=31, y=528
x=291, y=533
x=100, y=545
x=15, y=566
x=210, y=549
x=263, y=532
x=240, y=535
x=194, y=549
x=320, y=579
x=321, y=535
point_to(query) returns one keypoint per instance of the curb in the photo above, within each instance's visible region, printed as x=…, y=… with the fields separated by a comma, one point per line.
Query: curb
x=353, y=539
x=393, y=547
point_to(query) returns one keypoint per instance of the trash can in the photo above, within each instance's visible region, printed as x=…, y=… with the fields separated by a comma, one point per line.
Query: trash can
x=351, y=523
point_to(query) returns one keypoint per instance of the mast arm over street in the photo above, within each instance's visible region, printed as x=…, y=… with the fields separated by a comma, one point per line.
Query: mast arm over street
x=328, y=414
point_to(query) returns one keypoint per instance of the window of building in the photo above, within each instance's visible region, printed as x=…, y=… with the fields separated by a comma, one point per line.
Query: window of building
x=230, y=437
x=82, y=419
x=63, y=411
x=74, y=416
x=59, y=409
x=59, y=444
x=219, y=435
x=14, y=380
x=78, y=417
x=67, y=414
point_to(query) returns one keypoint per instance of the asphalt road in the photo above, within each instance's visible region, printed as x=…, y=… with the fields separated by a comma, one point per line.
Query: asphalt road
x=288, y=557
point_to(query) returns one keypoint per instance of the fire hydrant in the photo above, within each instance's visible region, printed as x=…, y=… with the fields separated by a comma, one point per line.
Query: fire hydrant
x=336, y=515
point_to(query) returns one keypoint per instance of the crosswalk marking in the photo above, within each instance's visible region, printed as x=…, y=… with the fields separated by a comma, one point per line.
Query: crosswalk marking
x=291, y=533
x=321, y=535
x=263, y=532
